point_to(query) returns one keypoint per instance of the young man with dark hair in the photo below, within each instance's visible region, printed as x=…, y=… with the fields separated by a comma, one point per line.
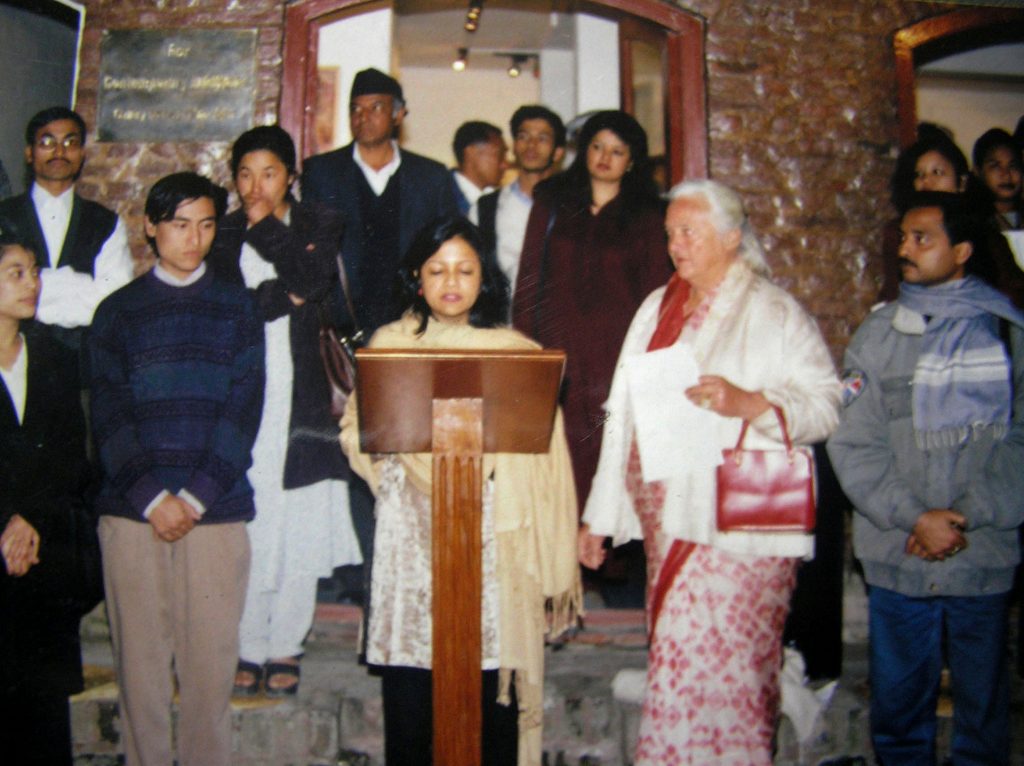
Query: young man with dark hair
x=538, y=144
x=929, y=450
x=480, y=158
x=176, y=360
x=81, y=246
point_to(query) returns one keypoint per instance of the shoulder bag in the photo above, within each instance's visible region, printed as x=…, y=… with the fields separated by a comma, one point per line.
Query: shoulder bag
x=338, y=352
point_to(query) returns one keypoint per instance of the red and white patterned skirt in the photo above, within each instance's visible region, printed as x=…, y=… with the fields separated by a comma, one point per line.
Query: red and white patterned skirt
x=713, y=668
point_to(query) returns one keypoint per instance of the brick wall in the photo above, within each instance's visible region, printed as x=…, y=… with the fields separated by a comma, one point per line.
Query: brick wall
x=802, y=121
x=802, y=113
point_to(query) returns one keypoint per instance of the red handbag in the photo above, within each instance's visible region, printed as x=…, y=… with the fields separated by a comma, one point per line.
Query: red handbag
x=766, y=490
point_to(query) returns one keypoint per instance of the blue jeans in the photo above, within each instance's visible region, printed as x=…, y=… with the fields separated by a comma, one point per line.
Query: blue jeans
x=906, y=661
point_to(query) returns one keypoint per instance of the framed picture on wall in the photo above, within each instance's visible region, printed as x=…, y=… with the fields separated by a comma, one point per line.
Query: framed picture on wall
x=326, y=100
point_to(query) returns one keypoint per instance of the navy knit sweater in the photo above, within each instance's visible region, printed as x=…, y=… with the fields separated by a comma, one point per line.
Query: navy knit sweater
x=177, y=394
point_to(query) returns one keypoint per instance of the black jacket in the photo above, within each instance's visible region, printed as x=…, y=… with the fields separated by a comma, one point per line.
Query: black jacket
x=46, y=479
x=303, y=254
x=426, y=192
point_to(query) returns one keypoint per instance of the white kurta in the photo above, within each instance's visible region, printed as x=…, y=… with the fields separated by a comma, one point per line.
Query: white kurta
x=296, y=531
x=401, y=622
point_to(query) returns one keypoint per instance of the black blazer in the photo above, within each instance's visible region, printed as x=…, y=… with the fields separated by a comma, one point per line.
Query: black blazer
x=45, y=478
x=425, y=193
x=304, y=256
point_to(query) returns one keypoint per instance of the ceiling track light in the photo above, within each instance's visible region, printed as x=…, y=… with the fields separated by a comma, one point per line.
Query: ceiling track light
x=516, y=67
x=462, y=60
x=476, y=7
x=519, y=60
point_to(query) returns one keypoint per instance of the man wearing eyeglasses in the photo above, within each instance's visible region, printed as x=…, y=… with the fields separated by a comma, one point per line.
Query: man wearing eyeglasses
x=80, y=245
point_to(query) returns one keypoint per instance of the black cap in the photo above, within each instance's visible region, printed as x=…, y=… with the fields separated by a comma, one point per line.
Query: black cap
x=371, y=81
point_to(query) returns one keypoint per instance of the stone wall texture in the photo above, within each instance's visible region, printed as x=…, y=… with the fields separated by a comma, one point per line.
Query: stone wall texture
x=802, y=121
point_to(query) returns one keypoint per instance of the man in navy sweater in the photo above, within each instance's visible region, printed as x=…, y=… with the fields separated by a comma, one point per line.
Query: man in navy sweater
x=176, y=360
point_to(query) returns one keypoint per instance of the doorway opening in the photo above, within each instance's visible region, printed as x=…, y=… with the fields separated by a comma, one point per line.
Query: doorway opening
x=640, y=55
x=962, y=71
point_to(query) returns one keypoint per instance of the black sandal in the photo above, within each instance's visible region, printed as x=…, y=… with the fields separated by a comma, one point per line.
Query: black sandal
x=272, y=669
x=250, y=689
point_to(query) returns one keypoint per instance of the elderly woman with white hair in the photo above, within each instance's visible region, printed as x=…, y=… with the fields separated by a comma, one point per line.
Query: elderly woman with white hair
x=717, y=600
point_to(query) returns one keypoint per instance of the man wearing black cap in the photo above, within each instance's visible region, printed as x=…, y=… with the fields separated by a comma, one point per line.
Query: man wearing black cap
x=387, y=194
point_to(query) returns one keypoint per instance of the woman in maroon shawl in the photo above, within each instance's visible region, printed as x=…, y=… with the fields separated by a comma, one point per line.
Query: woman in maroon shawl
x=594, y=249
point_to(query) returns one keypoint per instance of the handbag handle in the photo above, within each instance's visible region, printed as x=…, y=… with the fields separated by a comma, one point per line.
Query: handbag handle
x=782, y=422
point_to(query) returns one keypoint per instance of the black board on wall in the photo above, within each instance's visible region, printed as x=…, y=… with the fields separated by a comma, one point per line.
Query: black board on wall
x=176, y=85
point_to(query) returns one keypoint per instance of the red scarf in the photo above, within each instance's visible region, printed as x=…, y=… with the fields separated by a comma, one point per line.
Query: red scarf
x=671, y=318
x=671, y=321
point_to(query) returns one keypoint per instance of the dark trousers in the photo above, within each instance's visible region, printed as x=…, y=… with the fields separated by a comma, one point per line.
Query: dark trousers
x=408, y=719
x=815, y=623
x=35, y=729
x=907, y=636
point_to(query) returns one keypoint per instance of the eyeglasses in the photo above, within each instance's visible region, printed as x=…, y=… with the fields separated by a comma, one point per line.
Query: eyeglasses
x=50, y=142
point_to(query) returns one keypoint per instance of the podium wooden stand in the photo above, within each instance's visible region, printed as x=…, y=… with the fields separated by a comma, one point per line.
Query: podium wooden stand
x=457, y=405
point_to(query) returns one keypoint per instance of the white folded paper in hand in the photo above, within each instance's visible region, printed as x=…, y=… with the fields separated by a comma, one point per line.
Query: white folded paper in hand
x=674, y=436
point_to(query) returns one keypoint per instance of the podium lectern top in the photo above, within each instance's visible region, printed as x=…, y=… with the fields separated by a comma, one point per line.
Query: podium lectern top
x=396, y=388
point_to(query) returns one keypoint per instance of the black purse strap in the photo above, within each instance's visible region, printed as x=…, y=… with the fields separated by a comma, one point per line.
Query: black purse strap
x=357, y=333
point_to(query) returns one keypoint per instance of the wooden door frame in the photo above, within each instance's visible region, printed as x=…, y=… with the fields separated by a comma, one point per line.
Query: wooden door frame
x=686, y=104
x=917, y=42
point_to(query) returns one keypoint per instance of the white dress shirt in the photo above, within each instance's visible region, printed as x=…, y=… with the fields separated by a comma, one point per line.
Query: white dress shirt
x=16, y=380
x=510, y=229
x=68, y=297
x=378, y=179
x=471, y=192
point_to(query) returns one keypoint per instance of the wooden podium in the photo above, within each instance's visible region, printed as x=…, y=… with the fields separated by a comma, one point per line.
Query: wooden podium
x=457, y=405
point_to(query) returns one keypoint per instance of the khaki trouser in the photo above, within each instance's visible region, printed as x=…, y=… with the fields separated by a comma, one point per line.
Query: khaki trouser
x=175, y=602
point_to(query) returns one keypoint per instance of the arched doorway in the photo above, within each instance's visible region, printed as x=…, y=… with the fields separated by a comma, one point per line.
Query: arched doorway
x=682, y=34
x=939, y=36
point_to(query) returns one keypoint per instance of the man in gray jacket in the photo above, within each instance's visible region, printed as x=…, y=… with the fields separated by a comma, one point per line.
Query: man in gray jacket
x=930, y=450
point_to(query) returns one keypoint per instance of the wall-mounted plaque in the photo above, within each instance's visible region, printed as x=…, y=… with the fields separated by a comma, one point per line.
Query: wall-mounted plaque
x=176, y=85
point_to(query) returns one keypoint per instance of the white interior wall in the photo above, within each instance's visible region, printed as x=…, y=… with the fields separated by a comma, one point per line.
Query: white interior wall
x=558, y=82
x=354, y=44
x=597, y=63
x=441, y=99
x=969, y=107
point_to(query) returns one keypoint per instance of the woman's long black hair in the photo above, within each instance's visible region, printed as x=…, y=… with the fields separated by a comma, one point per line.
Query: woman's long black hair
x=491, y=307
x=930, y=138
x=571, y=188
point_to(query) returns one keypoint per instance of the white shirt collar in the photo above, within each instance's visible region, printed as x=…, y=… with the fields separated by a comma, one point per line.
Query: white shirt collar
x=169, y=279
x=470, y=190
x=517, y=189
x=378, y=179
x=16, y=380
x=43, y=199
